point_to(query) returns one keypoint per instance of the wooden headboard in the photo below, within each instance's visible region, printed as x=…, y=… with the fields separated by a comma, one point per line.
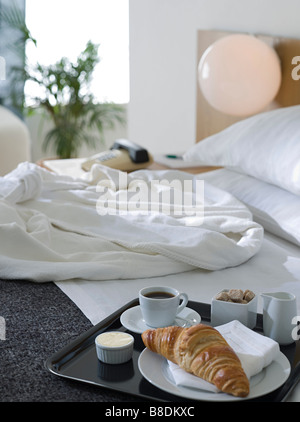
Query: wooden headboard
x=209, y=120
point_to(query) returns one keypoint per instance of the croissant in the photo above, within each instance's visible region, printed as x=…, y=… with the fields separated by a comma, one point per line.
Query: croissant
x=202, y=351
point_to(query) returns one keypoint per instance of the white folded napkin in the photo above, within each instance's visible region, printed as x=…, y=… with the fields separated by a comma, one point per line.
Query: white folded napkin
x=254, y=350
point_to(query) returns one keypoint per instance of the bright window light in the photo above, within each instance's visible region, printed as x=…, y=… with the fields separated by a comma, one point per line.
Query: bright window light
x=63, y=27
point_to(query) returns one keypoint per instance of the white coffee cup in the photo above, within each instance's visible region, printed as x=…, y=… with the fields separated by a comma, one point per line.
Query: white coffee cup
x=160, y=305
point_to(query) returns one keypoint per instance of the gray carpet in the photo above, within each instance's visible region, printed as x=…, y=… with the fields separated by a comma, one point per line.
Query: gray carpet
x=40, y=319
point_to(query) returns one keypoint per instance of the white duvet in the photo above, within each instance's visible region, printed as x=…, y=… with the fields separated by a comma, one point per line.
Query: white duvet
x=51, y=229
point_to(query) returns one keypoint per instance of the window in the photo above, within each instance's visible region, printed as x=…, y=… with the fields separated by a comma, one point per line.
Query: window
x=63, y=27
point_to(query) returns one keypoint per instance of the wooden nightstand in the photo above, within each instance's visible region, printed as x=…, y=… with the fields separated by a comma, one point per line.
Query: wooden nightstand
x=192, y=170
x=72, y=167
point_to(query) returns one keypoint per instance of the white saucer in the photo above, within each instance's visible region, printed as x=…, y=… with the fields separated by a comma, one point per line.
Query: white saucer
x=132, y=319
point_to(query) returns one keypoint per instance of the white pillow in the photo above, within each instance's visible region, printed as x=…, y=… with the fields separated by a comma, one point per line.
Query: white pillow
x=266, y=146
x=276, y=209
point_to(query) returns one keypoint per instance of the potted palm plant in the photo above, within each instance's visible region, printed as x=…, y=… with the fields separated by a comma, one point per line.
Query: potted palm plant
x=65, y=95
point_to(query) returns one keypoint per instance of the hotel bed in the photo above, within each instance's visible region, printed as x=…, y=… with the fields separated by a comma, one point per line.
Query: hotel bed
x=67, y=262
x=50, y=234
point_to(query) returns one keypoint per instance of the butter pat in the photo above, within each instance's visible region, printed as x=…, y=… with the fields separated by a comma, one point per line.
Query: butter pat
x=114, y=339
x=114, y=347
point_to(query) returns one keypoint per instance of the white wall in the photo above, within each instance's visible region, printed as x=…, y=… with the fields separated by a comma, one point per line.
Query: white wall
x=163, y=50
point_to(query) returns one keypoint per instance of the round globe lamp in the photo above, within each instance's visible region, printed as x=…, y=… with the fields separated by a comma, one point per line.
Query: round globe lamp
x=239, y=75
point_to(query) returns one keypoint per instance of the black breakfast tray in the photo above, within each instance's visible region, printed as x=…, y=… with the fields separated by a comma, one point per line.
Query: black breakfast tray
x=78, y=360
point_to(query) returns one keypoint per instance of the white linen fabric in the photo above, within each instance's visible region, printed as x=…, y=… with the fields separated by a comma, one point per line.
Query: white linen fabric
x=50, y=230
x=265, y=146
x=254, y=350
x=276, y=209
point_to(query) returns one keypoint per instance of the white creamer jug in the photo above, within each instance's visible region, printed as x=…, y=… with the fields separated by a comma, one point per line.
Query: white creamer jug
x=279, y=311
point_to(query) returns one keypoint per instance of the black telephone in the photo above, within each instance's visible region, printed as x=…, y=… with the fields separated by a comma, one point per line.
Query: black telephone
x=124, y=155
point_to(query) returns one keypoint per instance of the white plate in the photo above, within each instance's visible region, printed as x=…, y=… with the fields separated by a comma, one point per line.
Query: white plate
x=132, y=319
x=156, y=370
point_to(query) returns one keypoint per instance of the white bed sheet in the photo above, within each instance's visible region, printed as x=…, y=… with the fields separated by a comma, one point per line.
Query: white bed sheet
x=275, y=268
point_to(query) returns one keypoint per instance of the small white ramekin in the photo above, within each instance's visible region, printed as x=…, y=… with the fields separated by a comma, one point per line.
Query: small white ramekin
x=114, y=354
